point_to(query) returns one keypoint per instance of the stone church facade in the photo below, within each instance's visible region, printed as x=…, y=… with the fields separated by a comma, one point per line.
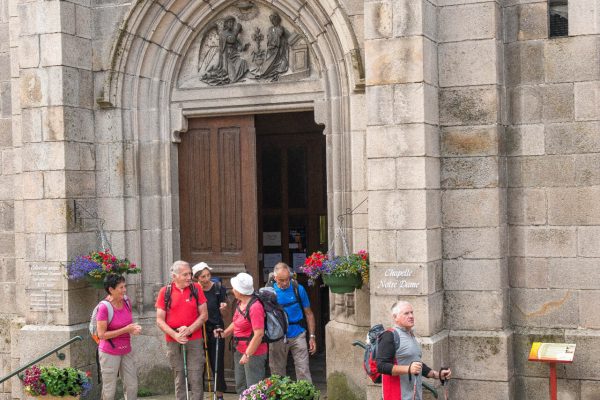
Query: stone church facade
x=464, y=138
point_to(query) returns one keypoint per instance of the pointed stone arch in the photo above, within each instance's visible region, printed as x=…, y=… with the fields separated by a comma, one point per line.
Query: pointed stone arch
x=139, y=85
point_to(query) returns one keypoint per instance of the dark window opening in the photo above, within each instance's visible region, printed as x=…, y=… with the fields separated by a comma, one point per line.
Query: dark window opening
x=559, y=18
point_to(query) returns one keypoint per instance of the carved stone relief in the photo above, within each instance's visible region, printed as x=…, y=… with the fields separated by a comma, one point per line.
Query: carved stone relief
x=246, y=44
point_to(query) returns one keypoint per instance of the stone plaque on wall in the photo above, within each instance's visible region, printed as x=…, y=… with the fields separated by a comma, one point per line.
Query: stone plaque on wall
x=401, y=279
x=45, y=289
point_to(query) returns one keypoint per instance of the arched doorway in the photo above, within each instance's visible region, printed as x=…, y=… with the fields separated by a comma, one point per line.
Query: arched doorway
x=158, y=84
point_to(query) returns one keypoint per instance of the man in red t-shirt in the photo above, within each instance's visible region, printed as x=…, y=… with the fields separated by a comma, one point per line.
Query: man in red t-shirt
x=181, y=318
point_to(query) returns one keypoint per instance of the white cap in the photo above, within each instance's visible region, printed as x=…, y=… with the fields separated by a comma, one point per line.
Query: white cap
x=200, y=267
x=243, y=283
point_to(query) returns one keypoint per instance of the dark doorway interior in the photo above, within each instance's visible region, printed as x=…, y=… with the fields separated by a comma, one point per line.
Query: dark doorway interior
x=292, y=202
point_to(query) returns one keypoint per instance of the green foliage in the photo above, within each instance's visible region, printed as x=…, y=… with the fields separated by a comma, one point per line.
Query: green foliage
x=63, y=381
x=56, y=381
x=281, y=388
x=287, y=389
x=144, y=392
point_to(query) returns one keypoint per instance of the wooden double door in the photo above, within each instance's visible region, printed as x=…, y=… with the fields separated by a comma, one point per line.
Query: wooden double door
x=252, y=190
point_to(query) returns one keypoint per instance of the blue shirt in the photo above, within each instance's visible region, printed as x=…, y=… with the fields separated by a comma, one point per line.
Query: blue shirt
x=287, y=298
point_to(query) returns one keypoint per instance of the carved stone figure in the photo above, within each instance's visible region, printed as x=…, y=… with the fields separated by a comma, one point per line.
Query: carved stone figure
x=276, y=61
x=231, y=67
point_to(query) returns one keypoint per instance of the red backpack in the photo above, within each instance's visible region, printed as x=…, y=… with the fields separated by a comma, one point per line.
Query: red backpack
x=370, y=357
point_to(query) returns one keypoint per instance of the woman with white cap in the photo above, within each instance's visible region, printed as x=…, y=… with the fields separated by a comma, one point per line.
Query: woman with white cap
x=216, y=299
x=248, y=330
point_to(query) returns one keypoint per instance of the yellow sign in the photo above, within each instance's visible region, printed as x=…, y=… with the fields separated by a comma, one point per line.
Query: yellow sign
x=552, y=352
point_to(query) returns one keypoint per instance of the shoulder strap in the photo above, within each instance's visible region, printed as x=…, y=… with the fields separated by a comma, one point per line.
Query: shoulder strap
x=167, y=297
x=246, y=314
x=396, y=337
x=194, y=293
x=297, y=293
x=294, y=284
x=221, y=292
x=109, y=309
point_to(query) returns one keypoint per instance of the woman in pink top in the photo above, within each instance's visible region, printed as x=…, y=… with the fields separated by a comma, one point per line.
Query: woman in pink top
x=248, y=329
x=114, y=349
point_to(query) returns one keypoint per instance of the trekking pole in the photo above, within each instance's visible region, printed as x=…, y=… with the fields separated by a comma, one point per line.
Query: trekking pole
x=444, y=381
x=208, y=374
x=410, y=377
x=216, y=362
x=185, y=371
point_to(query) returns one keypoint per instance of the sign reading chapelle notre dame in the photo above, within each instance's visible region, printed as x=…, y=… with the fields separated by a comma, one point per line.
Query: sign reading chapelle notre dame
x=403, y=279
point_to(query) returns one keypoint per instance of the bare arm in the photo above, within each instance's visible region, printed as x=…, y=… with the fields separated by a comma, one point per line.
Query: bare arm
x=202, y=318
x=224, y=333
x=162, y=325
x=104, y=334
x=310, y=320
x=253, y=345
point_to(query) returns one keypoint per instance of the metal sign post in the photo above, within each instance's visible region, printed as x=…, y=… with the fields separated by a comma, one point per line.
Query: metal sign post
x=552, y=353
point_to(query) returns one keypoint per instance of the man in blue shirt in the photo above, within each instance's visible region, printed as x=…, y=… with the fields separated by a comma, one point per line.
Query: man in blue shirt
x=294, y=300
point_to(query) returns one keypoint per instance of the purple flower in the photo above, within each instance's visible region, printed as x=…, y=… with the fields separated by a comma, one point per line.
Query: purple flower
x=86, y=386
x=81, y=267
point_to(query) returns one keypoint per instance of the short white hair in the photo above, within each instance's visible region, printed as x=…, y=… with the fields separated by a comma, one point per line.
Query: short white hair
x=398, y=306
x=279, y=266
x=176, y=267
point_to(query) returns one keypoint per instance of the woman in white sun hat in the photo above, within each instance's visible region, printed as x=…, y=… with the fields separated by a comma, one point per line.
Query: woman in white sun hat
x=216, y=299
x=248, y=330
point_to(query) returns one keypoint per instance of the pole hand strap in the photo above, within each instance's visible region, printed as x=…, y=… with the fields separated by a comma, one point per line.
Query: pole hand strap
x=442, y=380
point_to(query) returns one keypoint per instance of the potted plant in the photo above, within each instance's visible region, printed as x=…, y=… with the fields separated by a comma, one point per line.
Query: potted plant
x=51, y=382
x=342, y=274
x=95, y=266
x=281, y=388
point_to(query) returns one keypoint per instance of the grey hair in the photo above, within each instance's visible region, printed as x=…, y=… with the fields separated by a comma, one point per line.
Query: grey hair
x=279, y=266
x=176, y=267
x=398, y=306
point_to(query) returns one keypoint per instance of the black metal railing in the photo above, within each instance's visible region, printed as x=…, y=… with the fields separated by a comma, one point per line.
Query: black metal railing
x=61, y=356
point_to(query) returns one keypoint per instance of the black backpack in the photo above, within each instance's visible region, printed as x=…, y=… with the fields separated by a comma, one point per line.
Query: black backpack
x=168, y=288
x=370, y=356
x=294, y=283
x=276, y=321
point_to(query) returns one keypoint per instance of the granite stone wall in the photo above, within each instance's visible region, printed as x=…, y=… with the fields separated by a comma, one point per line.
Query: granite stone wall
x=8, y=169
x=466, y=141
x=553, y=93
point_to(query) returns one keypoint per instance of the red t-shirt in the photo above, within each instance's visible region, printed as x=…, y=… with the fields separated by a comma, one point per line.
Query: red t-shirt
x=243, y=328
x=183, y=310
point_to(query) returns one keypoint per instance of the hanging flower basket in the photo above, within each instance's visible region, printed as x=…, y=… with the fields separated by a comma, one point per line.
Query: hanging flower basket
x=343, y=283
x=342, y=274
x=96, y=283
x=94, y=267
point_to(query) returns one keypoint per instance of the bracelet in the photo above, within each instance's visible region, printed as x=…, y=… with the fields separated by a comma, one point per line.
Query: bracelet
x=312, y=335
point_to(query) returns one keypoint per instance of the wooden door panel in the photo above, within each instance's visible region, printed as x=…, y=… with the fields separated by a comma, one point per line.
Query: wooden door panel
x=217, y=197
x=230, y=189
x=217, y=187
